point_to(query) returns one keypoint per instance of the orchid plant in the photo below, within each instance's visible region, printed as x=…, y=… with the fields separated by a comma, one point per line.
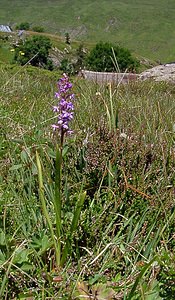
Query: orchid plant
x=65, y=113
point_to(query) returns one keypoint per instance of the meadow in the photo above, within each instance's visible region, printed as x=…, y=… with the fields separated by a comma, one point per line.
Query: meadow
x=117, y=190
x=145, y=27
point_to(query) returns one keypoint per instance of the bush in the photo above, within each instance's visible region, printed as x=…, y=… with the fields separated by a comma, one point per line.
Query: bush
x=67, y=66
x=35, y=50
x=102, y=58
x=81, y=58
x=23, y=26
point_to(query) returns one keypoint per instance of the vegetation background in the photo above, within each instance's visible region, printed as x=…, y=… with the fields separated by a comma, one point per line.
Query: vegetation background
x=121, y=157
x=145, y=27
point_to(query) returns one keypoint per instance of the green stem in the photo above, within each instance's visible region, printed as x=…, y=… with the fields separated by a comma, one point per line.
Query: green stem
x=44, y=208
x=57, y=198
x=74, y=226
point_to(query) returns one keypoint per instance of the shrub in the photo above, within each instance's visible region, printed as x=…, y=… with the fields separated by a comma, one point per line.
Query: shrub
x=103, y=56
x=81, y=58
x=23, y=26
x=67, y=66
x=35, y=50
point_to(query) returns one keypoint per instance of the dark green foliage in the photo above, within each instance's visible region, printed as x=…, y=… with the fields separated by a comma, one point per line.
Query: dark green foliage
x=23, y=26
x=35, y=50
x=81, y=57
x=103, y=56
x=67, y=38
x=67, y=67
x=71, y=65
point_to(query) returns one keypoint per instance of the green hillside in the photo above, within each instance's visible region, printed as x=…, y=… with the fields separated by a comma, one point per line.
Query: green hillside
x=145, y=27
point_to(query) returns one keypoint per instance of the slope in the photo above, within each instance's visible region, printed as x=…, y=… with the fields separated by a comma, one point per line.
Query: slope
x=146, y=27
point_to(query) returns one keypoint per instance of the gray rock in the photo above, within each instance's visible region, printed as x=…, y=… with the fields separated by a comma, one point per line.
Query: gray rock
x=160, y=73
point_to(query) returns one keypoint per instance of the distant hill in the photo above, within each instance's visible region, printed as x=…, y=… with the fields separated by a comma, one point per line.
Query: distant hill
x=146, y=27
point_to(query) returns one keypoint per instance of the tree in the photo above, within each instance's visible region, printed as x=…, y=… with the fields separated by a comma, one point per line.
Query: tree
x=35, y=50
x=67, y=38
x=103, y=56
x=67, y=67
x=81, y=58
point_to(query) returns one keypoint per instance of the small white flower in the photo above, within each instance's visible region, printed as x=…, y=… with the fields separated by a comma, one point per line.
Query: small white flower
x=123, y=135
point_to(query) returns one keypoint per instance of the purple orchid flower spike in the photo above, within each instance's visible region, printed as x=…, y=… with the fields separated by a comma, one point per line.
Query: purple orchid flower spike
x=65, y=107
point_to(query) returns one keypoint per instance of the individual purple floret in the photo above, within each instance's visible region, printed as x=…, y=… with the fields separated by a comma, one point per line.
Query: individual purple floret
x=65, y=107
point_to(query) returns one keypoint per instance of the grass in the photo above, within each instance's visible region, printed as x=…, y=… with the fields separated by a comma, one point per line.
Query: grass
x=124, y=245
x=5, y=55
x=146, y=28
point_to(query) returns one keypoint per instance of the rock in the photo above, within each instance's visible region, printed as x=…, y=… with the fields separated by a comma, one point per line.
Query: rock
x=160, y=73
